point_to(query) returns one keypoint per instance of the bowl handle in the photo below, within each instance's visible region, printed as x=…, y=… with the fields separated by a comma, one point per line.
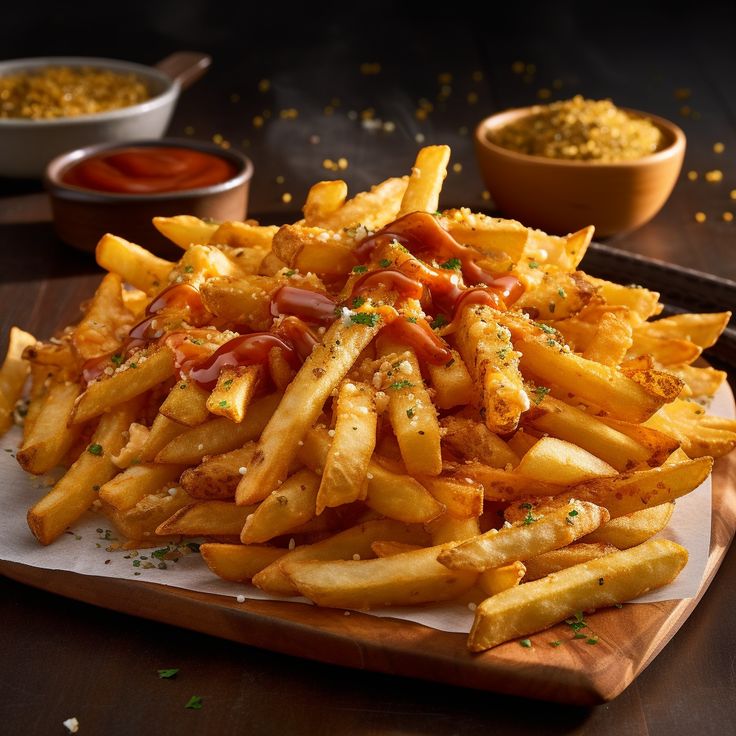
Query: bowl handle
x=185, y=67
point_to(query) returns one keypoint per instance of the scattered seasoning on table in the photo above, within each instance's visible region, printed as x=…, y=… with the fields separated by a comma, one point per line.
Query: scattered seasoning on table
x=700, y=217
x=526, y=643
x=194, y=703
x=167, y=674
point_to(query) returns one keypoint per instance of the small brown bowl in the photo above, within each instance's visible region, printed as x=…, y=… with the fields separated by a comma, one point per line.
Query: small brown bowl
x=83, y=216
x=562, y=196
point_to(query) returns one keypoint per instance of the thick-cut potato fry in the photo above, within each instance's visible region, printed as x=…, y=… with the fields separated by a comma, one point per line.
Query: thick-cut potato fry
x=555, y=461
x=632, y=529
x=134, y=377
x=533, y=536
x=234, y=391
x=702, y=329
x=558, y=559
x=323, y=199
x=472, y=440
x=292, y=504
x=218, y=435
x=238, y=562
x=13, y=374
x=489, y=235
x=462, y=500
x=535, y=606
x=384, y=548
x=125, y=490
x=244, y=235
x=504, y=485
x=403, y=579
x=566, y=422
x=698, y=432
x=423, y=189
x=300, y=406
x=447, y=528
x=186, y=404
x=501, y=578
x=702, y=381
x=206, y=519
x=314, y=249
x=218, y=476
x=106, y=322
x=552, y=294
x=162, y=431
x=352, y=543
x=411, y=412
x=77, y=489
x=451, y=382
x=140, y=522
x=659, y=445
x=245, y=300
x=394, y=495
x=643, y=302
x=665, y=351
x=51, y=438
x=486, y=348
x=135, y=265
x=611, y=341
x=185, y=230
x=565, y=252
x=344, y=475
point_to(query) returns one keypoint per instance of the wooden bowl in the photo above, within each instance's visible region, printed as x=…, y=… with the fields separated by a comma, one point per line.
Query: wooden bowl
x=562, y=196
x=83, y=216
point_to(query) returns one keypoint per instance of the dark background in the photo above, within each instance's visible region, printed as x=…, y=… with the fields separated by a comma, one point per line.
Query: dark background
x=60, y=658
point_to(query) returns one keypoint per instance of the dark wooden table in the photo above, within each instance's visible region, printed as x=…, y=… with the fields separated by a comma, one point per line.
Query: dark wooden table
x=61, y=658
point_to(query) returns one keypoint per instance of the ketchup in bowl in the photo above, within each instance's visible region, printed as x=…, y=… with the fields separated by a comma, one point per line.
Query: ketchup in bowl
x=148, y=170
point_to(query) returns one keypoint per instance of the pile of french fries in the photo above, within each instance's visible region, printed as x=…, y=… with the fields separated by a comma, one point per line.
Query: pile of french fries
x=524, y=473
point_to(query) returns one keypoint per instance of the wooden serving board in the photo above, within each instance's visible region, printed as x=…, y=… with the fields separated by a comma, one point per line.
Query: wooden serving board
x=574, y=672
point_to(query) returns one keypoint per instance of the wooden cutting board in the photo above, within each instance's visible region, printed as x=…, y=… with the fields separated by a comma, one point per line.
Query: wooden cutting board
x=575, y=672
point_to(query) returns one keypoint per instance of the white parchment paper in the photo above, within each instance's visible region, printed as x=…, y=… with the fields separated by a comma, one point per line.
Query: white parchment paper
x=89, y=547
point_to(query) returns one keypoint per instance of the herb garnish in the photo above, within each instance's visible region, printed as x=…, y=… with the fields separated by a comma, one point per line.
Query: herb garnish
x=168, y=674
x=365, y=318
x=95, y=449
x=452, y=264
x=195, y=703
x=398, y=385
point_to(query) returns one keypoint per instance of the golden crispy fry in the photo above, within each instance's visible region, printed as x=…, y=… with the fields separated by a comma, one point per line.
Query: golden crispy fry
x=462, y=500
x=186, y=404
x=701, y=329
x=643, y=302
x=185, y=230
x=556, y=461
x=451, y=382
x=494, y=364
x=140, y=522
x=162, y=431
x=245, y=300
x=565, y=252
x=78, y=488
x=471, y=440
x=134, y=264
x=13, y=374
x=611, y=341
x=50, y=438
x=218, y=435
x=315, y=249
x=384, y=548
x=218, y=476
x=403, y=579
x=234, y=391
x=244, y=235
x=489, y=235
x=504, y=485
x=301, y=405
x=238, y=562
x=665, y=351
x=632, y=529
x=535, y=606
x=126, y=489
x=324, y=199
x=558, y=559
x=429, y=171
x=535, y=535
x=501, y=578
x=701, y=381
x=344, y=475
x=206, y=519
x=134, y=377
x=447, y=528
x=552, y=294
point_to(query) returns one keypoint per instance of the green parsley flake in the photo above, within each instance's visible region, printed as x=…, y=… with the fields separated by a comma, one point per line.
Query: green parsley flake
x=410, y=412
x=398, y=385
x=358, y=301
x=526, y=643
x=360, y=269
x=169, y=673
x=195, y=703
x=573, y=513
x=196, y=341
x=223, y=404
x=95, y=449
x=439, y=321
x=555, y=643
x=117, y=359
x=546, y=328
x=533, y=264
x=452, y=264
x=592, y=640
x=365, y=318
x=135, y=365
x=538, y=394
x=188, y=269
x=502, y=353
x=562, y=293
x=227, y=383
x=384, y=263
x=159, y=554
x=289, y=273
x=529, y=519
x=411, y=320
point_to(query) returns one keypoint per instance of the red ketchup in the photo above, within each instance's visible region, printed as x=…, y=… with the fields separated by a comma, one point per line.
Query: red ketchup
x=149, y=170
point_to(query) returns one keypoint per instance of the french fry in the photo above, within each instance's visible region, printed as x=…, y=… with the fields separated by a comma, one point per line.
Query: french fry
x=643, y=302
x=185, y=230
x=314, y=249
x=504, y=485
x=344, y=474
x=558, y=559
x=301, y=405
x=632, y=529
x=50, y=438
x=245, y=300
x=218, y=476
x=384, y=548
x=13, y=375
x=404, y=579
x=162, y=431
x=206, y=519
x=126, y=489
x=501, y=578
x=324, y=199
x=423, y=189
x=292, y=504
x=244, y=235
x=218, y=435
x=140, y=522
x=472, y=440
x=238, y=563
x=136, y=376
x=451, y=382
x=536, y=606
x=134, y=264
x=555, y=461
x=186, y=404
x=532, y=537
x=234, y=391
x=462, y=500
x=701, y=329
x=489, y=235
x=447, y=528
x=611, y=341
x=77, y=489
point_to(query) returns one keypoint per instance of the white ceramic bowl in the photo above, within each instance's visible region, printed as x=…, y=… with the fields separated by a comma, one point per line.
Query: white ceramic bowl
x=26, y=146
